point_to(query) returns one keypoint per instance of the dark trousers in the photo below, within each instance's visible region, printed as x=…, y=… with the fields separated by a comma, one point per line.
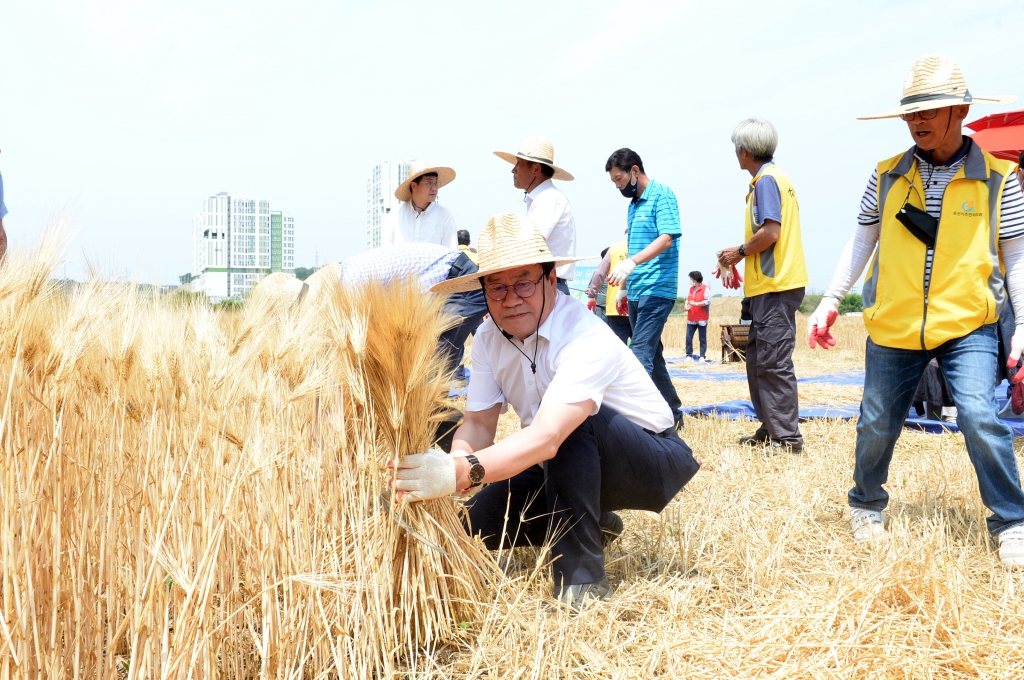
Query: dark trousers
x=647, y=316
x=563, y=286
x=470, y=308
x=770, y=374
x=607, y=463
x=702, y=332
x=621, y=327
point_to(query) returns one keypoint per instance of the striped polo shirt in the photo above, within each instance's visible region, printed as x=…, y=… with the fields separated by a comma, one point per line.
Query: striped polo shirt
x=935, y=179
x=653, y=214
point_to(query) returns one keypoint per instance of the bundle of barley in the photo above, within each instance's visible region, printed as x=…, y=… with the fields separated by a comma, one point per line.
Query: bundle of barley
x=191, y=493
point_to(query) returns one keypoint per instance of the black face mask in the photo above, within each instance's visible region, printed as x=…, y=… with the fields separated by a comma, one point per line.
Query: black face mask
x=629, y=191
x=919, y=223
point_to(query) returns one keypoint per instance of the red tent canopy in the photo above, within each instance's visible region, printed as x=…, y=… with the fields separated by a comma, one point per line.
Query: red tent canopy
x=1001, y=134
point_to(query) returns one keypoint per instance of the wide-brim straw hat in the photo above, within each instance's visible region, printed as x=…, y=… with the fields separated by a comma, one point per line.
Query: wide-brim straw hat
x=935, y=82
x=506, y=242
x=418, y=169
x=539, y=150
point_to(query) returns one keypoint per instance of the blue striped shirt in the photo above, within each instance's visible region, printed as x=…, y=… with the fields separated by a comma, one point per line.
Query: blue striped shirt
x=655, y=213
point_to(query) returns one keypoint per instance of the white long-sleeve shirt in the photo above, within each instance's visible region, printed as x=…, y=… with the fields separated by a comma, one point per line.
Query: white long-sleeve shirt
x=405, y=225
x=549, y=209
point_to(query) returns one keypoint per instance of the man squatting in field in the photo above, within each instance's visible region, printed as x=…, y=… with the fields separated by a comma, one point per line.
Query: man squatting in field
x=944, y=215
x=597, y=436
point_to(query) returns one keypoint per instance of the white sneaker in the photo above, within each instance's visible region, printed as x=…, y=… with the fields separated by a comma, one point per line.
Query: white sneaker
x=869, y=525
x=687, y=358
x=1011, y=547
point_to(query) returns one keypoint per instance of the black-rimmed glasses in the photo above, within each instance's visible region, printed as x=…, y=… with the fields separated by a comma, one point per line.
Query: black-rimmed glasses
x=927, y=114
x=524, y=289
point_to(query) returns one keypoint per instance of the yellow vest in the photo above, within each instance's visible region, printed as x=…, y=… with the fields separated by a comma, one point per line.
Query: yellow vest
x=469, y=253
x=781, y=266
x=966, y=289
x=616, y=254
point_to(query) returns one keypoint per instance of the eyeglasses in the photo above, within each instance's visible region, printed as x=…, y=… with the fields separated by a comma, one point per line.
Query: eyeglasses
x=524, y=289
x=927, y=114
x=431, y=183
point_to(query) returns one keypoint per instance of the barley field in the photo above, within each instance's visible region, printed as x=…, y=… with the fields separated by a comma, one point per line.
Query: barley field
x=189, y=493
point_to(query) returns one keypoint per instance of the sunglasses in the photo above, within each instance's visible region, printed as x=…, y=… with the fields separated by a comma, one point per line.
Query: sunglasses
x=927, y=114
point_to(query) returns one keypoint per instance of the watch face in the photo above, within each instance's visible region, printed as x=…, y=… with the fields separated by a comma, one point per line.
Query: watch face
x=476, y=473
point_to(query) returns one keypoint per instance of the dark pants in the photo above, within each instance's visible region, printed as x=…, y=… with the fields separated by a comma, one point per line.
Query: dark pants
x=969, y=367
x=607, y=463
x=647, y=317
x=702, y=332
x=621, y=327
x=470, y=308
x=770, y=373
x=563, y=286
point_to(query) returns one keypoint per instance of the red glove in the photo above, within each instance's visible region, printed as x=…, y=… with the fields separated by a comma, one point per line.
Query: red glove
x=823, y=336
x=737, y=279
x=592, y=305
x=622, y=305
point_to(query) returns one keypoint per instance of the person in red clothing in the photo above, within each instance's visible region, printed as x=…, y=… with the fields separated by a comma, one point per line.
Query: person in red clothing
x=697, y=302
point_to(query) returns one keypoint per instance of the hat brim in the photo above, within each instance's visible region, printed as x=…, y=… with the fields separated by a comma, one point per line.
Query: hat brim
x=469, y=282
x=993, y=100
x=444, y=176
x=512, y=157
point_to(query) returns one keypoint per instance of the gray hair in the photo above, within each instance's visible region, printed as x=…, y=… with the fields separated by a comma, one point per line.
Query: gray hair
x=758, y=137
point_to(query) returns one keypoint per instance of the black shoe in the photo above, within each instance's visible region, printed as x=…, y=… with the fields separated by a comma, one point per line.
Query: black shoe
x=576, y=596
x=774, y=448
x=679, y=424
x=759, y=438
x=611, y=528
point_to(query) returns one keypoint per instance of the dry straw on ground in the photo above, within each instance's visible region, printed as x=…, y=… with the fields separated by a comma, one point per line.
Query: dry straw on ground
x=193, y=494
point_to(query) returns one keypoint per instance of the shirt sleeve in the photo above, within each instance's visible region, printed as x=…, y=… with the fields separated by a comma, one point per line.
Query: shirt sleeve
x=584, y=370
x=666, y=214
x=451, y=235
x=1011, y=212
x=484, y=391
x=544, y=213
x=860, y=247
x=388, y=229
x=768, y=200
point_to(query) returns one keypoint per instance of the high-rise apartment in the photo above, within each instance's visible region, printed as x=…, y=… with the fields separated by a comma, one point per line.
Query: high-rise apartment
x=237, y=240
x=380, y=196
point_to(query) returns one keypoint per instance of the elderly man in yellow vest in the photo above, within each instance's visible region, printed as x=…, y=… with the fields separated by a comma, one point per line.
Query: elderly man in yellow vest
x=948, y=222
x=774, y=279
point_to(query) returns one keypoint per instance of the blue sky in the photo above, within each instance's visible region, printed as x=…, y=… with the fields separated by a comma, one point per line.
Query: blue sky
x=125, y=115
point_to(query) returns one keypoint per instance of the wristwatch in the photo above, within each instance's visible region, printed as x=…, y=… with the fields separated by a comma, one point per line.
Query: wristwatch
x=743, y=253
x=476, y=471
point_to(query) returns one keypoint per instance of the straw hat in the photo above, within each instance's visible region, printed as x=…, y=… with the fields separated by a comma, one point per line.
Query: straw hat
x=506, y=242
x=935, y=82
x=418, y=169
x=539, y=150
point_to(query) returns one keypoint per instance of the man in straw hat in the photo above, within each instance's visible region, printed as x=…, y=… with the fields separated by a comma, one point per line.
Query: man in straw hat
x=533, y=169
x=419, y=218
x=944, y=215
x=596, y=437
x=775, y=275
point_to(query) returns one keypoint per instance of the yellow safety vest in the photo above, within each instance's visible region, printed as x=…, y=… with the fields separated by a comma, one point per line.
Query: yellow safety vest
x=781, y=266
x=469, y=253
x=617, y=252
x=966, y=289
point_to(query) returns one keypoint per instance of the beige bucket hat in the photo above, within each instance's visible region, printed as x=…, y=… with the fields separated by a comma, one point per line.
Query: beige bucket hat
x=934, y=82
x=506, y=242
x=418, y=169
x=539, y=150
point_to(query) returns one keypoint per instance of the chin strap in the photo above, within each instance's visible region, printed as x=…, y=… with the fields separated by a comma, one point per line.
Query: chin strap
x=536, y=333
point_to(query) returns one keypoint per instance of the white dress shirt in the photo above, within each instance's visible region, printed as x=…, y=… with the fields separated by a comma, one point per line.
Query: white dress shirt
x=405, y=225
x=578, y=358
x=549, y=209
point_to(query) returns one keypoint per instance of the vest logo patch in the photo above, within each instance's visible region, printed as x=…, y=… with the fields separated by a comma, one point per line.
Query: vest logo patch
x=967, y=210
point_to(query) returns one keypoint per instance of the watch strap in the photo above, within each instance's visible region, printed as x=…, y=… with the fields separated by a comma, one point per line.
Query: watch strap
x=474, y=463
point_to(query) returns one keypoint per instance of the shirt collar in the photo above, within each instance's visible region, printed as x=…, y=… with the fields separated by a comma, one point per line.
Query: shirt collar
x=651, y=187
x=761, y=169
x=416, y=213
x=546, y=329
x=543, y=186
x=956, y=158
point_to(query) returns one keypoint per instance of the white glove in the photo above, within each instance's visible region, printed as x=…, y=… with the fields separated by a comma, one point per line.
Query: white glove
x=422, y=476
x=820, y=316
x=621, y=272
